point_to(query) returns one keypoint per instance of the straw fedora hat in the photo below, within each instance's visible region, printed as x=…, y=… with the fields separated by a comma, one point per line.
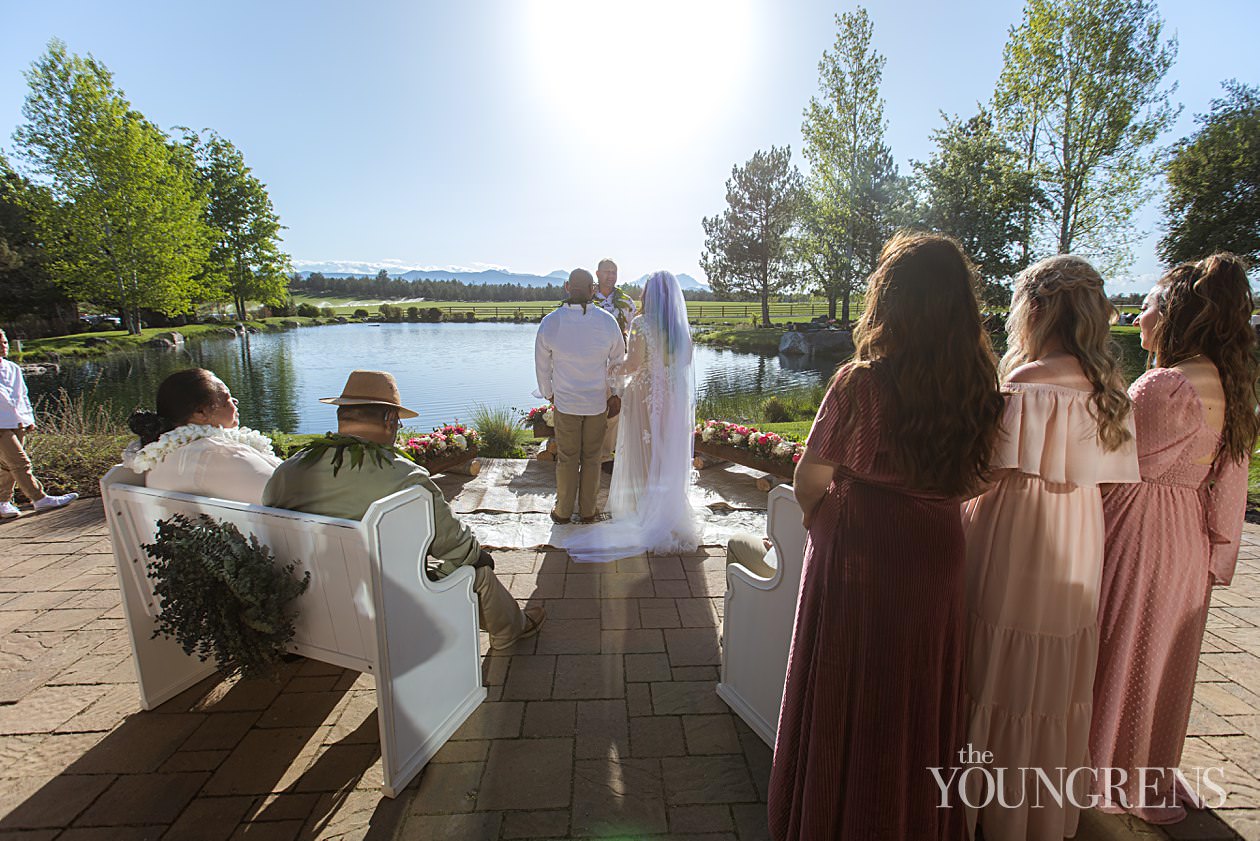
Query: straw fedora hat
x=365, y=388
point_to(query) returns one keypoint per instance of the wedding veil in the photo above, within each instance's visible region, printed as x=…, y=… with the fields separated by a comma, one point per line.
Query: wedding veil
x=648, y=500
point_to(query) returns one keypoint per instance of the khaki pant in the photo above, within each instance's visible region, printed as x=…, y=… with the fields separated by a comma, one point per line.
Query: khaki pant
x=610, y=437
x=498, y=614
x=748, y=550
x=579, y=447
x=15, y=467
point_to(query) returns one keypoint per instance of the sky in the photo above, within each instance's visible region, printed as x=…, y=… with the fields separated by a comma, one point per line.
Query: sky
x=536, y=135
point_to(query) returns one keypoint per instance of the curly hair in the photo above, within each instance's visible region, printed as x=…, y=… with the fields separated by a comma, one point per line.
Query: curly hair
x=1062, y=297
x=921, y=329
x=1205, y=308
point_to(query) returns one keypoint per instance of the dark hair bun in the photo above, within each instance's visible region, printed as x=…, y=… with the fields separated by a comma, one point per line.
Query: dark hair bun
x=148, y=425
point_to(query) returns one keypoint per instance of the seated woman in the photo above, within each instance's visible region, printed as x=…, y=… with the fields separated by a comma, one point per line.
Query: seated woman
x=194, y=442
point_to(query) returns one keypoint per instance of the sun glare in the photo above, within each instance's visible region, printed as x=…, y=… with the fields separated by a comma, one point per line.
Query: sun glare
x=605, y=67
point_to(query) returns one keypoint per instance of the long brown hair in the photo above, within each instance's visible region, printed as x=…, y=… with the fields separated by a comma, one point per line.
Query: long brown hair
x=1062, y=297
x=921, y=328
x=1205, y=308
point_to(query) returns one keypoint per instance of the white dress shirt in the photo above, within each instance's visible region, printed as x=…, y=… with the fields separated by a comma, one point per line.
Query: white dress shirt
x=574, y=352
x=15, y=402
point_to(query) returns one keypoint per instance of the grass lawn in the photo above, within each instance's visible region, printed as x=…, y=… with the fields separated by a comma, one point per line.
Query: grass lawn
x=750, y=339
x=77, y=345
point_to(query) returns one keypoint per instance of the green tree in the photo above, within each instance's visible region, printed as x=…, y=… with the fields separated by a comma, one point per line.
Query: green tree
x=246, y=261
x=1213, y=201
x=855, y=192
x=746, y=248
x=1081, y=99
x=26, y=290
x=976, y=188
x=123, y=227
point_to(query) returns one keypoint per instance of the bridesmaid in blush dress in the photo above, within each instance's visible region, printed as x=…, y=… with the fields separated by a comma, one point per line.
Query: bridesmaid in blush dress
x=1035, y=553
x=873, y=697
x=1173, y=536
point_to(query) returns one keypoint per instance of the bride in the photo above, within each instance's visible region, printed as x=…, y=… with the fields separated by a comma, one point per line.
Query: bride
x=648, y=499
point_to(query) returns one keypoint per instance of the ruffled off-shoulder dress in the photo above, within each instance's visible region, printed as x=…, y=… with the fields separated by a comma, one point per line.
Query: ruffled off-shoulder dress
x=1034, y=563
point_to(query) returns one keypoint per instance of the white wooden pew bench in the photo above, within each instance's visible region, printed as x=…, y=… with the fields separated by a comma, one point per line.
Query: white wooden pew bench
x=369, y=607
x=758, y=619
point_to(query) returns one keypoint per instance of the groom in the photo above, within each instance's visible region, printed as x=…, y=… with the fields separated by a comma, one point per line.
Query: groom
x=577, y=345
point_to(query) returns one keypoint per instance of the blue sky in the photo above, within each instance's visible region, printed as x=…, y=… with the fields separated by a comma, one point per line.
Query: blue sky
x=542, y=134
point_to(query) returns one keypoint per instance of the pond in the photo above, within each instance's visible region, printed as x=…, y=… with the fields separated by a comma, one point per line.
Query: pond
x=444, y=371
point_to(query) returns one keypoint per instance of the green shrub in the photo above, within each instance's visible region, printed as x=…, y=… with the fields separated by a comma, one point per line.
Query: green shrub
x=307, y=311
x=773, y=411
x=75, y=441
x=498, y=428
x=360, y=313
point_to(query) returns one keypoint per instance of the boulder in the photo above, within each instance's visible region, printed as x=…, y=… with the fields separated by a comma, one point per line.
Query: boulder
x=837, y=343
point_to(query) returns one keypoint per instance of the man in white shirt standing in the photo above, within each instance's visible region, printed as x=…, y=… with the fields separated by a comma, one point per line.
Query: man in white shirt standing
x=16, y=419
x=616, y=302
x=575, y=350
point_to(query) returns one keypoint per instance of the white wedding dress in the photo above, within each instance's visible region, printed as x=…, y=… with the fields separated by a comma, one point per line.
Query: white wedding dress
x=648, y=500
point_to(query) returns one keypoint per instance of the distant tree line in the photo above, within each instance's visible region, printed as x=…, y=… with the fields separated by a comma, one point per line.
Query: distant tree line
x=111, y=211
x=1058, y=161
x=384, y=287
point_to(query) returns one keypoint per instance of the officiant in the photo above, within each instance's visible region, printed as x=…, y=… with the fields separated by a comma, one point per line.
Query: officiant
x=577, y=346
x=616, y=302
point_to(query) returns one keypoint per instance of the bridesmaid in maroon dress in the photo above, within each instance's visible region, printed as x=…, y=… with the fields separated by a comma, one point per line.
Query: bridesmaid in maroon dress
x=1175, y=534
x=873, y=697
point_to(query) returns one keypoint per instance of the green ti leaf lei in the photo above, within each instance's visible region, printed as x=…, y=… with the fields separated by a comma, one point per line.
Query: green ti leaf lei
x=380, y=454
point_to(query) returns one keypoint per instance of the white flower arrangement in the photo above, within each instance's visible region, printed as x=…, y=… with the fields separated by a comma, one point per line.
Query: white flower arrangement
x=707, y=435
x=549, y=416
x=783, y=449
x=144, y=459
x=460, y=442
x=737, y=439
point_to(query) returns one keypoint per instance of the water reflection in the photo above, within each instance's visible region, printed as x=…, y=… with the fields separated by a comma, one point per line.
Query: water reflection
x=443, y=371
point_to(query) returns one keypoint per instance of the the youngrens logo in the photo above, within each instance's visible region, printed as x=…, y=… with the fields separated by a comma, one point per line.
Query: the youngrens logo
x=976, y=783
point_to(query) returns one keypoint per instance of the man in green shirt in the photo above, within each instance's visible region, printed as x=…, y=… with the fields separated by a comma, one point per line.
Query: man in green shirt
x=342, y=475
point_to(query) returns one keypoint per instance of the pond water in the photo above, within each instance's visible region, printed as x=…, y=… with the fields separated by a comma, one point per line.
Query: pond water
x=443, y=371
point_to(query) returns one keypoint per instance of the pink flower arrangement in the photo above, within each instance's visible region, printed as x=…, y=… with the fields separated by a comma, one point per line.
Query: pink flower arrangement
x=767, y=445
x=451, y=438
x=542, y=414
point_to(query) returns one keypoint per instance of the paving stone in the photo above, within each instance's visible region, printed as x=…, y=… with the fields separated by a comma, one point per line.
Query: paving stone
x=221, y=731
x=711, y=674
x=508, y=562
x=530, y=677
x=686, y=698
x=263, y=761
x=447, y=787
x=357, y=721
x=43, y=756
x=338, y=767
x=656, y=735
x=602, y=730
x=696, y=613
x=239, y=696
x=632, y=641
x=647, y=667
x=570, y=608
x=307, y=709
x=538, y=824
x=671, y=588
x=659, y=617
x=479, y=826
x=493, y=720
x=692, y=647
x=140, y=745
x=569, y=636
x=543, y=585
x=708, y=779
x=270, y=831
x=638, y=699
x=710, y=734
x=285, y=806
x=752, y=822
x=666, y=568
x=526, y=774
x=144, y=799
x=618, y=798
x=580, y=676
x=700, y=819
x=194, y=760
x=464, y=751
x=626, y=585
x=550, y=718
x=1204, y=722
x=38, y=804
x=581, y=586
x=114, y=833
x=619, y=614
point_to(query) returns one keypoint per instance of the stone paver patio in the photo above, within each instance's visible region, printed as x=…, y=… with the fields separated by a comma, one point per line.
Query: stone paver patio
x=604, y=726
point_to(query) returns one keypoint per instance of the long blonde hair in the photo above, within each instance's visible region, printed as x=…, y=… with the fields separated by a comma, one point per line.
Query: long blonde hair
x=1062, y=297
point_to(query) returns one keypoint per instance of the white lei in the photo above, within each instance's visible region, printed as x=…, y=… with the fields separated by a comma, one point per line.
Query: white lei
x=144, y=459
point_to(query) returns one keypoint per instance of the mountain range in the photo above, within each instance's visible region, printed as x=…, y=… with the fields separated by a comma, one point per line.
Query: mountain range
x=474, y=278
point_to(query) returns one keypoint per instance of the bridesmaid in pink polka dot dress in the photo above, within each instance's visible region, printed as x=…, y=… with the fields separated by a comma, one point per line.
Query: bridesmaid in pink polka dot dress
x=1175, y=534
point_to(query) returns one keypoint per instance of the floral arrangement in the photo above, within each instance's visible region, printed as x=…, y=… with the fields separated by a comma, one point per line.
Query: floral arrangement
x=766, y=445
x=144, y=459
x=451, y=438
x=542, y=414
